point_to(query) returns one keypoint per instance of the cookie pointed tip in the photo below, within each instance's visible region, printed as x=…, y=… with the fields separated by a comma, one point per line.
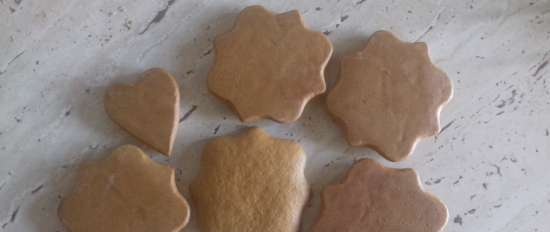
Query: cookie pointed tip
x=384, y=34
x=291, y=18
x=421, y=46
x=383, y=37
x=254, y=9
x=166, y=151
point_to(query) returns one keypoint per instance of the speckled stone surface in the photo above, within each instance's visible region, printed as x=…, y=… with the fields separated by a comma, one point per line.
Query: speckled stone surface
x=489, y=164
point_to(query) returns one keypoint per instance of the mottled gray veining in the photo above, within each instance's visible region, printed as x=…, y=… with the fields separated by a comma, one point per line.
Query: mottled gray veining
x=489, y=164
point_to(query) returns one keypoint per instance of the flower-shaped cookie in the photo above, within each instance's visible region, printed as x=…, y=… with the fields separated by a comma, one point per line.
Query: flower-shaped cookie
x=250, y=182
x=375, y=198
x=389, y=96
x=125, y=192
x=269, y=65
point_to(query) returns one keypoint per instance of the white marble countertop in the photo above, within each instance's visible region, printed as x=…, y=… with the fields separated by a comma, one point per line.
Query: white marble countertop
x=490, y=163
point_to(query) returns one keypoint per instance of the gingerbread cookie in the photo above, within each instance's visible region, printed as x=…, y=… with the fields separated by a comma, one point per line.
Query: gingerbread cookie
x=389, y=96
x=125, y=192
x=269, y=66
x=148, y=110
x=250, y=182
x=375, y=198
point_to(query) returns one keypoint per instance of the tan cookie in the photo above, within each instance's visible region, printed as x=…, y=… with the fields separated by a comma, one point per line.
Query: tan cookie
x=389, y=96
x=249, y=183
x=269, y=65
x=125, y=192
x=148, y=110
x=375, y=198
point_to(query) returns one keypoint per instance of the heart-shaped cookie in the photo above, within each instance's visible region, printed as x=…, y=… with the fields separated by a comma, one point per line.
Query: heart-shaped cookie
x=148, y=110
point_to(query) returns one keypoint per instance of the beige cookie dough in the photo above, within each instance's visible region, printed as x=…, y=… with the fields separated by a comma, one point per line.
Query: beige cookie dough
x=269, y=66
x=149, y=110
x=249, y=183
x=389, y=96
x=125, y=192
x=375, y=198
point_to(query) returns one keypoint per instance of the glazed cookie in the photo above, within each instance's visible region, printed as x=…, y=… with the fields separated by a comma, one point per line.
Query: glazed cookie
x=250, y=182
x=389, y=96
x=148, y=110
x=125, y=192
x=269, y=66
x=375, y=198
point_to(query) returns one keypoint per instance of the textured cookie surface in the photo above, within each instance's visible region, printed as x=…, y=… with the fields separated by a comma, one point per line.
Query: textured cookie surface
x=149, y=110
x=389, y=96
x=375, y=198
x=269, y=65
x=250, y=182
x=125, y=192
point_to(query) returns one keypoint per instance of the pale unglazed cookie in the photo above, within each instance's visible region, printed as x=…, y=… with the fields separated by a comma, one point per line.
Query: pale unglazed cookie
x=375, y=198
x=389, y=96
x=250, y=182
x=125, y=192
x=269, y=66
x=149, y=110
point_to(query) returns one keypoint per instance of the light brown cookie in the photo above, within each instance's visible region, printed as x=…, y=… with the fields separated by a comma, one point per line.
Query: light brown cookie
x=250, y=182
x=149, y=110
x=125, y=192
x=375, y=198
x=389, y=96
x=269, y=66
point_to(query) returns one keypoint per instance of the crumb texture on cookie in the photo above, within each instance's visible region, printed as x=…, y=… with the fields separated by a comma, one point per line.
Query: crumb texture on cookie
x=389, y=95
x=250, y=182
x=125, y=192
x=148, y=110
x=375, y=198
x=269, y=66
